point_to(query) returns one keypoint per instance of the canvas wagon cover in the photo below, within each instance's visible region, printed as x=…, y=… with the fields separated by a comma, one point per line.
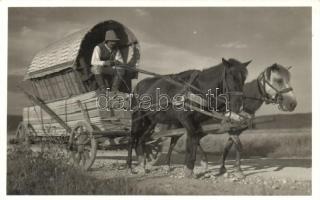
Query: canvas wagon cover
x=68, y=52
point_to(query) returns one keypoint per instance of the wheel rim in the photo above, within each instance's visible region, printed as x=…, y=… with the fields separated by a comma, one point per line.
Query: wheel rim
x=82, y=146
x=22, y=134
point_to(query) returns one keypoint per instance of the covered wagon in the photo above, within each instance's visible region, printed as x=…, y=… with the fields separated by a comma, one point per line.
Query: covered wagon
x=65, y=95
x=60, y=76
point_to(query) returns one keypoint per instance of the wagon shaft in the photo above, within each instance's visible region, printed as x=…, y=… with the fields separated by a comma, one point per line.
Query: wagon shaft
x=210, y=128
x=214, y=128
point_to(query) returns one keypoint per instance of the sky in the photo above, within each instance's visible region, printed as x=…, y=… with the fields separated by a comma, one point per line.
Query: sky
x=176, y=39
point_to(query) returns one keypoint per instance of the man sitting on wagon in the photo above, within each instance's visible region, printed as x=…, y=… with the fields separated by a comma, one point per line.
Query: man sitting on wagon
x=105, y=57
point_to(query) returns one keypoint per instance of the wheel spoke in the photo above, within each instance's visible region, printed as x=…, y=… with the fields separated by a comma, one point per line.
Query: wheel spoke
x=87, y=154
x=154, y=155
x=83, y=159
x=77, y=158
x=87, y=148
x=22, y=134
x=85, y=145
x=153, y=151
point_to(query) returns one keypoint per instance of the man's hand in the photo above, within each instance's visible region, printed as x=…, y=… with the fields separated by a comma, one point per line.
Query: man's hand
x=116, y=62
x=109, y=63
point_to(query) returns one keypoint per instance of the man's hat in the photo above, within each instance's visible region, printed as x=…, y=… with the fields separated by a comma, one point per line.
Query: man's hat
x=111, y=36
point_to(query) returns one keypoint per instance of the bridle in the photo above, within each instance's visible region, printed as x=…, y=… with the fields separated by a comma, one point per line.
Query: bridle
x=262, y=82
x=226, y=88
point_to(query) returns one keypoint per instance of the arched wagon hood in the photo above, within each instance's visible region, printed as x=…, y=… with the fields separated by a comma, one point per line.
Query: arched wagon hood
x=68, y=52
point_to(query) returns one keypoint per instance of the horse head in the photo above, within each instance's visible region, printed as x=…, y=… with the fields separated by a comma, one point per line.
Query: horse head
x=234, y=78
x=275, y=83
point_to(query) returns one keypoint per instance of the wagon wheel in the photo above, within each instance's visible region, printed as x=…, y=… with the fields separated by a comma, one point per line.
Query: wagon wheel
x=153, y=151
x=82, y=145
x=22, y=134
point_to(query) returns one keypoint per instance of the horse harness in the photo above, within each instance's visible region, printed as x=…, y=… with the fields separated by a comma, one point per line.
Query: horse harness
x=191, y=96
x=262, y=82
x=225, y=87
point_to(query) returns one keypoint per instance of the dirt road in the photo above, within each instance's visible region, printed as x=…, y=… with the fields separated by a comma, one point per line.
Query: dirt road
x=263, y=176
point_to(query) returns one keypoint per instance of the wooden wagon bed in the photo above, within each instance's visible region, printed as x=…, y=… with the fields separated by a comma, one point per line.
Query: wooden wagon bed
x=70, y=112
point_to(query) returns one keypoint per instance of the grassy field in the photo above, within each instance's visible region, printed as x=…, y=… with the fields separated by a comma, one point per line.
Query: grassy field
x=46, y=173
x=264, y=143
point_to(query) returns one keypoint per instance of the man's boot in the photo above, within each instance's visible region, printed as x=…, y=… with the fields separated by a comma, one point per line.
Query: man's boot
x=116, y=84
x=101, y=84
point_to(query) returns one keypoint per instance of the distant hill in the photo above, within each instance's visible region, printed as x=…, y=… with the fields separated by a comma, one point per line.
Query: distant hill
x=16, y=80
x=286, y=121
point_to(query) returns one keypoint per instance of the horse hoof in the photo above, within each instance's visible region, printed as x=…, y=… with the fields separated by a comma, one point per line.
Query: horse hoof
x=188, y=173
x=204, y=165
x=239, y=174
x=139, y=170
x=130, y=171
x=222, y=171
x=167, y=169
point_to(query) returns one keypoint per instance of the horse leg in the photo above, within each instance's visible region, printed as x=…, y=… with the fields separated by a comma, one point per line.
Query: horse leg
x=238, y=144
x=140, y=168
x=129, y=159
x=173, y=143
x=135, y=129
x=204, y=158
x=191, y=145
x=140, y=147
x=226, y=150
x=190, y=158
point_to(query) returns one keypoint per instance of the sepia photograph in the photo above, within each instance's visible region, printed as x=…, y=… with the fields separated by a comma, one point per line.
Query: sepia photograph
x=159, y=101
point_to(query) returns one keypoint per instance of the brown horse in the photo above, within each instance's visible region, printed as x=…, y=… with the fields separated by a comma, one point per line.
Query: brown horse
x=272, y=86
x=229, y=76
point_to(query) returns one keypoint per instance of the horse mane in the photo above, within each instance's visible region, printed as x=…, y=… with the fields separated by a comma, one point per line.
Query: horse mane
x=184, y=75
x=279, y=68
x=213, y=70
x=243, y=70
x=232, y=61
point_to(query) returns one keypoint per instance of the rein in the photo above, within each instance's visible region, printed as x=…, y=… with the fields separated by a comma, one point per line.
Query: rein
x=225, y=86
x=262, y=82
x=187, y=85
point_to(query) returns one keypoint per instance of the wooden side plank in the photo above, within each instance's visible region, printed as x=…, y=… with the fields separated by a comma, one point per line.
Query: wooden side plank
x=48, y=110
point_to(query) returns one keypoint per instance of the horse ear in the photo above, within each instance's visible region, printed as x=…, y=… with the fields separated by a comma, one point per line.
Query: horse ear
x=247, y=63
x=225, y=62
x=288, y=68
x=274, y=66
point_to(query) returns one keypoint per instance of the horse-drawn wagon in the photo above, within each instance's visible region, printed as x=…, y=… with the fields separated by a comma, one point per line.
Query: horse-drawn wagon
x=65, y=98
x=64, y=93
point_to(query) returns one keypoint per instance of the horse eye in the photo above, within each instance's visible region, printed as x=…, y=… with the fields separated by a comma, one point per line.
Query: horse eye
x=279, y=81
x=241, y=78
